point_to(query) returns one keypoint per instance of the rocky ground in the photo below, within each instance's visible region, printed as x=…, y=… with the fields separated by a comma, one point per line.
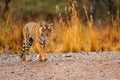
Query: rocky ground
x=63, y=66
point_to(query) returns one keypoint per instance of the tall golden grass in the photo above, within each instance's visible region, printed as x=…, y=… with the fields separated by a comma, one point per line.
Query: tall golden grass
x=71, y=37
x=11, y=38
x=77, y=37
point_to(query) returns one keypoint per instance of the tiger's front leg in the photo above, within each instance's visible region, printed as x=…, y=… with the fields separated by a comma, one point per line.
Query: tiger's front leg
x=42, y=53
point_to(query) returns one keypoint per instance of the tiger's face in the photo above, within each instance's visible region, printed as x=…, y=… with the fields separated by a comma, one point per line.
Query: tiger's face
x=46, y=30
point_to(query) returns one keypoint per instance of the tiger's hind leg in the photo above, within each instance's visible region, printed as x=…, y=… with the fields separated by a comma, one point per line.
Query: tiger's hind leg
x=25, y=50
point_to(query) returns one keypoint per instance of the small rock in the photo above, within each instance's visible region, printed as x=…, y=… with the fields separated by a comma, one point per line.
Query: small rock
x=12, y=72
x=56, y=63
x=67, y=55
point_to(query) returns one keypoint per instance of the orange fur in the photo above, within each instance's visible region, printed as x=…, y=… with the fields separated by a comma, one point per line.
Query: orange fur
x=42, y=53
x=34, y=31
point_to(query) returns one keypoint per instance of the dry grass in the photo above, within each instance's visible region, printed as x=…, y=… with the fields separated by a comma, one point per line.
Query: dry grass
x=11, y=38
x=81, y=38
x=74, y=37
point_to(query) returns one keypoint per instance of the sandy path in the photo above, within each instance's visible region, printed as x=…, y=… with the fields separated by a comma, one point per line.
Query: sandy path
x=70, y=66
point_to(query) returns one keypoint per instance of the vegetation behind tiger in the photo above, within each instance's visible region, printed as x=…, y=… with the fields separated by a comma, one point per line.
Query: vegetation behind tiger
x=79, y=25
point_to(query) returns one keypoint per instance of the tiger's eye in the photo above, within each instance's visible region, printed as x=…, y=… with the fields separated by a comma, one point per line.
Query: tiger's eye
x=49, y=30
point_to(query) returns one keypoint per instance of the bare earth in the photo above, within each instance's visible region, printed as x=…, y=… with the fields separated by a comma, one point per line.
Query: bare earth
x=63, y=66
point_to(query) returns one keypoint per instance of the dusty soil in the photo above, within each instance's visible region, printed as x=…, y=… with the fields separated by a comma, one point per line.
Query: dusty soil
x=67, y=66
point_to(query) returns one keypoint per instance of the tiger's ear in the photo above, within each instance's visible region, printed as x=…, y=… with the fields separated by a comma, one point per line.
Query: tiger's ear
x=51, y=27
x=42, y=23
x=51, y=24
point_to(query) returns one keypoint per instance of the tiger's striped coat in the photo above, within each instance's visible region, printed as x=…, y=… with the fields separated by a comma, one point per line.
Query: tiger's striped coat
x=38, y=33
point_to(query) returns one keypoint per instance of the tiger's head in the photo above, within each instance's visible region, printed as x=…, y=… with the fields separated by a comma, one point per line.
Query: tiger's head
x=46, y=30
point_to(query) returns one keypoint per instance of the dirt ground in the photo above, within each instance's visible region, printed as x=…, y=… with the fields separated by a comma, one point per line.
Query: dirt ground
x=63, y=66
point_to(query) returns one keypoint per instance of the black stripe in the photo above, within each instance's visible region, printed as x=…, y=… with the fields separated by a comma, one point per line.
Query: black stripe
x=28, y=46
x=23, y=51
x=21, y=54
x=29, y=43
x=41, y=43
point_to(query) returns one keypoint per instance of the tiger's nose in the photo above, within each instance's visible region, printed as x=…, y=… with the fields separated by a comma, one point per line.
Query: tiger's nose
x=47, y=35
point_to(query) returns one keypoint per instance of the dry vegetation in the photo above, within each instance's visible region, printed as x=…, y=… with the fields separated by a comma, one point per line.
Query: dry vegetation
x=71, y=37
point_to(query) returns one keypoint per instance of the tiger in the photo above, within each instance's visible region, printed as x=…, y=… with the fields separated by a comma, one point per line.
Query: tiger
x=38, y=33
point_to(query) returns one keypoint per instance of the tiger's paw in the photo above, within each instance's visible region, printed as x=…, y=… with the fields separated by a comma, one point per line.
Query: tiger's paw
x=43, y=60
x=26, y=58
